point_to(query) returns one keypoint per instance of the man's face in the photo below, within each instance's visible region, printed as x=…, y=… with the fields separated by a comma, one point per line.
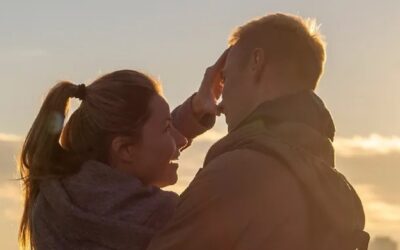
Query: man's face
x=238, y=92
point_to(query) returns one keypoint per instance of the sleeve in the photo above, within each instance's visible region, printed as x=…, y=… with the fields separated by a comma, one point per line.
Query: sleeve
x=184, y=120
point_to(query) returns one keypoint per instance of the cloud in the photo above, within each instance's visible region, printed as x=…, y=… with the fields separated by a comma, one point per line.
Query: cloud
x=11, y=200
x=376, y=207
x=10, y=191
x=366, y=146
x=9, y=150
x=373, y=144
x=382, y=216
x=10, y=138
x=12, y=214
x=210, y=136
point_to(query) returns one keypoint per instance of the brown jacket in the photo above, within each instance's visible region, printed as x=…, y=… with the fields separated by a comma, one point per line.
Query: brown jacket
x=288, y=198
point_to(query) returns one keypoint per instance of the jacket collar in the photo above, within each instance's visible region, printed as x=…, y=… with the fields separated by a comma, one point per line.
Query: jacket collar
x=304, y=107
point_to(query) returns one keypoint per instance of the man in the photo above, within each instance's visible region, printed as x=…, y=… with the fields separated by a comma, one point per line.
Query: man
x=270, y=183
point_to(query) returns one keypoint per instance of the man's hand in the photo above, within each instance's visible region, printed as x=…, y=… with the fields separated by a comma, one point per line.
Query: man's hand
x=205, y=100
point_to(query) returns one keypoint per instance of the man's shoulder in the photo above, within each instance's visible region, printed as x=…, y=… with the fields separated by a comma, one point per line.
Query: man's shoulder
x=257, y=181
x=245, y=161
x=246, y=169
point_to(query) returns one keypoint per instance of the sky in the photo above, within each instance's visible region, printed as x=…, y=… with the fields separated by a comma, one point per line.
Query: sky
x=43, y=42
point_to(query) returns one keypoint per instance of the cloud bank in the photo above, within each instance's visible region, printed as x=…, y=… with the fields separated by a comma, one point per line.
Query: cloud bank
x=374, y=144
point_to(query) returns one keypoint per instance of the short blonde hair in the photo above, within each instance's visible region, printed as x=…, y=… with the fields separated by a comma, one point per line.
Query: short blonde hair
x=286, y=38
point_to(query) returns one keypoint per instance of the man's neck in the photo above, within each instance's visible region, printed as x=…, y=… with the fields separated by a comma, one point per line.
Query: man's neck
x=262, y=97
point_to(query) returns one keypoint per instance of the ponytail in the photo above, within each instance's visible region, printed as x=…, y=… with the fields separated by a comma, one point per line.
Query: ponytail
x=40, y=151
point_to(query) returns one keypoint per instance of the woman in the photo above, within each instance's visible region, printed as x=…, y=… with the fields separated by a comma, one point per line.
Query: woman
x=95, y=183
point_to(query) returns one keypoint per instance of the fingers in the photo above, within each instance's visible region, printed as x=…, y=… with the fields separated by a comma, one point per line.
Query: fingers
x=218, y=90
x=211, y=87
x=219, y=64
x=212, y=74
x=214, y=71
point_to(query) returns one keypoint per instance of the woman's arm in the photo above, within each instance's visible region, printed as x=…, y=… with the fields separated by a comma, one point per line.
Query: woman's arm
x=197, y=114
x=188, y=123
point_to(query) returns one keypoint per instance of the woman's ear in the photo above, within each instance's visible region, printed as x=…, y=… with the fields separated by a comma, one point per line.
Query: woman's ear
x=122, y=149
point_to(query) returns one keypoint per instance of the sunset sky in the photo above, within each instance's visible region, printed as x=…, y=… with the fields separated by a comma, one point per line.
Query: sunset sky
x=43, y=42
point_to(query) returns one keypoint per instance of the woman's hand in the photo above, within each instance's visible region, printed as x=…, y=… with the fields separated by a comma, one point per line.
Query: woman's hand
x=205, y=100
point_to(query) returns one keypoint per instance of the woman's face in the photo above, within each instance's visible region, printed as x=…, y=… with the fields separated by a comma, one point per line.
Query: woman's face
x=151, y=159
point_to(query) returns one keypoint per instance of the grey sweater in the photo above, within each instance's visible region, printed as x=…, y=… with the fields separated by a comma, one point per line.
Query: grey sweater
x=99, y=208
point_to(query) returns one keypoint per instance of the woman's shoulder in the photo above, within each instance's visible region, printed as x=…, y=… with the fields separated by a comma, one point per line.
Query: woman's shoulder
x=102, y=188
x=102, y=191
x=96, y=198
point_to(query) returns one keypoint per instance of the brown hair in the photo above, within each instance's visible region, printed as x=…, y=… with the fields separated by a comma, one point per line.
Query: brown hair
x=288, y=39
x=114, y=104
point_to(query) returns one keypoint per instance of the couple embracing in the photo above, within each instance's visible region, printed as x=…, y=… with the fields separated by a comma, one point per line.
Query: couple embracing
x=270, y=183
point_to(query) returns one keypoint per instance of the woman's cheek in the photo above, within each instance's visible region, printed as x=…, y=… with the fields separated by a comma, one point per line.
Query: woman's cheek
x=169, y=172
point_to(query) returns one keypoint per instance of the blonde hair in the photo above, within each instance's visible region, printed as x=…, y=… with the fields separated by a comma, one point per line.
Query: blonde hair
x=115, y=104
x=286, y=38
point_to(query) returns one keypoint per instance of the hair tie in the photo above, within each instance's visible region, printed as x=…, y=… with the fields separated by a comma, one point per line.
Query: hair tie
x=81, y=92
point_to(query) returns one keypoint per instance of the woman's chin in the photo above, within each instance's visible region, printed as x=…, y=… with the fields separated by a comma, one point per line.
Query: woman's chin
x=171, y=179
x=174, y=178
x=174, y=165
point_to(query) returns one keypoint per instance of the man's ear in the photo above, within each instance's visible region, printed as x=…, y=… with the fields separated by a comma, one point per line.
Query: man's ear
x=257, y=62
x=122, y=149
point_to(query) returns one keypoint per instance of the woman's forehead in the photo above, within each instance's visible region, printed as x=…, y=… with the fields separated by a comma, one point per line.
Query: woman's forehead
x=159, y=108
